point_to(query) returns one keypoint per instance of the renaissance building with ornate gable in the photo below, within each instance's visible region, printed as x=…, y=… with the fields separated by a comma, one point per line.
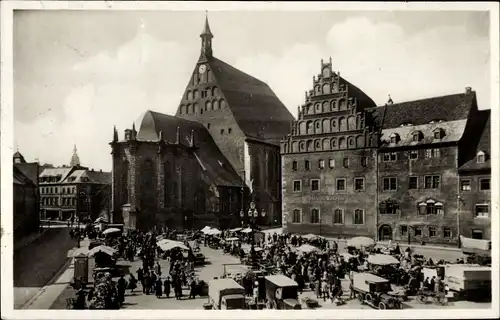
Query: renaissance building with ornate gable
x=411, y=171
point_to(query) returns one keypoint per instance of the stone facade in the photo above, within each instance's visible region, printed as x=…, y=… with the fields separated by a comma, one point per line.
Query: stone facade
x=398, y=166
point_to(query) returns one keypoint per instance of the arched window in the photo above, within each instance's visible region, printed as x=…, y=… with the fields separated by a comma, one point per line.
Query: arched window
x=302, y=146
x=215, y=91
x=189, y=109
x=295, y=146
x=345, y=162
x=326, y=106
x=335, y=87
x=342, y=143
x=196, y=108
x=342, y=104
x=317, y=108
x=310, y=145
x=215, y=105
x=333, y=143
x=314, y=216
x=333, y=105
x=302, y=127
x=360, y=141
x=350, y=142
x=222, y=103
x=317, y=89
x=208, y=106
x=317, y=126
x=317, y=144
x=310, y=127
x=326, y=126
x=326, y=88
x=326, y=72
x=342, y=124
x=351, y=123
x=189, y=95
x=195, y=94
x=310, y=109
x=182, y=109
x=209, y=75
x=326, y=144
x=334, y=125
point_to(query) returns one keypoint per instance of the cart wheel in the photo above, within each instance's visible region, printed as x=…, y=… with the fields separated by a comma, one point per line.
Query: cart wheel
x=436, y=299
x=368, y=297
x=382, y=306
x=360, y=297
x=421, y=298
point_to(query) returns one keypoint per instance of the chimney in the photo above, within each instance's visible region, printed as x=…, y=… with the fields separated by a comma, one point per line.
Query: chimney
x=160, y=136
x=178, y=136
x=192, y=139
x=468, y=90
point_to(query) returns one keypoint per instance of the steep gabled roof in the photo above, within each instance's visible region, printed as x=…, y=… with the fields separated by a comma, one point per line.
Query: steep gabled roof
x=30, y=170
x=20, y=179
x=364, y=101
x=418, y=112
x=483, y=145
x=256, y=108
x=211, y=159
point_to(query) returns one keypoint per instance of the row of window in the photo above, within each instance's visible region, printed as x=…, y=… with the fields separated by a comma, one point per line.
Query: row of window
x=484, y=184
x=430, y=207
x=209, y=106
x=413, y=155
x=432, y=231
x=55, y=190
x=328, y=144
x=207, y=92
x=50, y=179
x=341, y=184
x=330, y=125
x=338, y=216
x=417, y=136
x=54, y=201
x=331, y=163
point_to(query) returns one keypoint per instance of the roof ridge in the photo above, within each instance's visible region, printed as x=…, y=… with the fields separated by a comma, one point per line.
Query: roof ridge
x=423, y=99
x=231, y=66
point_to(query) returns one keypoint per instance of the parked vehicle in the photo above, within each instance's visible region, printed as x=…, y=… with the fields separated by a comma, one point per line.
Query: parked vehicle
x=281, y=293
x=374, y=291
x=468, y=280
x=226, y=294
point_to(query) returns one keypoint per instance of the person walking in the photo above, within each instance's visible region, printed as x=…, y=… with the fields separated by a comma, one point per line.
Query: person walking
x=122, y=285
x=158, y=269
x=132, y=283
x=192, y=289
x=166, y=287
x=158, y=288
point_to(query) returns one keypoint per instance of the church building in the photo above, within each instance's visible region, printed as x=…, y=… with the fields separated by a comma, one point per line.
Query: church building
x=206, y=164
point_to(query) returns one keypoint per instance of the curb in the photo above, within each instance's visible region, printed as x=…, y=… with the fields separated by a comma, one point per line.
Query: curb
x=42, y=290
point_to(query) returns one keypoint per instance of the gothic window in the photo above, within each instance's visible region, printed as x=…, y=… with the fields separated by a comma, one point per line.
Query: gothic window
x=310, y=127
x=215, y=91
x=326, y=144
x=310, y=146
x=350, y=141
x=310, y=109
x=167, y=191
x=295, y=147
x=208, y=106
x=342, y=124
x=302, y=128
x=195, y=79
x=189, y=109
x=351, y=123
x=222, y=104
x=189, y=95
x=317, y=89
x=333, y=143
x=342, y=104
x=195, y=94
x=147, y=185
x=326, y=88
x=302, y=146
x=342, y=143
x=182, y=109
x=334, y=125
x=209, y=75
x=196, y=108
x=326, y=126
x=333, y=105
x=326, y=106
x=317, y=108
x=335, y=87
x=317, y=126
x=215, y=105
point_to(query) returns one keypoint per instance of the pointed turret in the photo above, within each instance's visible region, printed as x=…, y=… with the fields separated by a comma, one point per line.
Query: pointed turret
x=75, y=160
x=206, y=40
x=390, y=100
x=134, y=132
x=160, y=136
x=115, y=134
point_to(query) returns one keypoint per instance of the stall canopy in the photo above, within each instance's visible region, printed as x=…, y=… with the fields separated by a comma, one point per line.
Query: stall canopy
x=204, y=230
x=232, y=239
x=359, y=242
x=103, y=249
x=306, y=248
x=111, y=230
x=236, y=229
x=166, y=241
x=101, y=219
x=247, y=230
x=311, y=236
x=475, y=246
x=214, y=232
x=347, y=255
x=172, y=245
x=382, y=259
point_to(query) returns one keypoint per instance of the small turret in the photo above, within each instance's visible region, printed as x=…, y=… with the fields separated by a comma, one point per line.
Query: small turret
x=192, y=142
x=389, y=101
x=115, y=134
x=178, y=136
x=160, y=136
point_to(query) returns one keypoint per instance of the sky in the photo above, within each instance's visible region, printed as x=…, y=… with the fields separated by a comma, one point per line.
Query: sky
x=79, y=73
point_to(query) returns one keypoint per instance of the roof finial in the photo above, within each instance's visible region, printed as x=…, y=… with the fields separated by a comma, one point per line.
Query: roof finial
x=330, y=60
x=390, y=100
x=206, y=38
x=115, y=134
x=75, y=160
x=160, y=136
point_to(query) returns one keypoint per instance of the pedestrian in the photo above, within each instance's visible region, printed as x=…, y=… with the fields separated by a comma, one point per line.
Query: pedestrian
x=158, y=288
x=146, y=287
x=153, y=281
x=166, y=287
x=132, y=283
x=192, y=289
x=158, y=269
x=122, y=285
x=325, y=290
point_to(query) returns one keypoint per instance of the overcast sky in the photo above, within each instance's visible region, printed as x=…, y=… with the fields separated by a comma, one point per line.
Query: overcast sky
x=79, y=73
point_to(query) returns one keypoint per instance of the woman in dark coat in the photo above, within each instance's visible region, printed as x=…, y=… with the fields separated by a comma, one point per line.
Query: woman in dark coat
x=158, y=288
x=166, y=287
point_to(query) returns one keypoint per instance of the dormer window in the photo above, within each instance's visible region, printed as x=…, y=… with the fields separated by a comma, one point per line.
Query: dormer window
x=481, y=157
x=438, y=133
x=417, y=136
x=394, y=138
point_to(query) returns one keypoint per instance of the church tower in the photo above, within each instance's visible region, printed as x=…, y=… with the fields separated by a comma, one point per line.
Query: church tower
x=75, y=160
x=206, y=41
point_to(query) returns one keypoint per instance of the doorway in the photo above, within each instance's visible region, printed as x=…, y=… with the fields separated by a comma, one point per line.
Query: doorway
x=385, y=233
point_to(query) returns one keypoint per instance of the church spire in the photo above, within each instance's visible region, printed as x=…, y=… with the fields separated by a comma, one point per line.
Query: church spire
x=75, y=160
x=206, y=39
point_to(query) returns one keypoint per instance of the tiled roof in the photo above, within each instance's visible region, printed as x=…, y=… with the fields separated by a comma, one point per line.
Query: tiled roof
x=256, y=108
x=484, y=144
x=446, y=108
x=453, y=131
x=54, y=172
x=363, y=100
x=30, y=170
x=93, y=177
x=20, y=179
x=208, y=154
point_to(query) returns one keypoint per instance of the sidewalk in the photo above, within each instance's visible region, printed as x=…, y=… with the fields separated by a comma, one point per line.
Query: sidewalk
x=49, y=293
